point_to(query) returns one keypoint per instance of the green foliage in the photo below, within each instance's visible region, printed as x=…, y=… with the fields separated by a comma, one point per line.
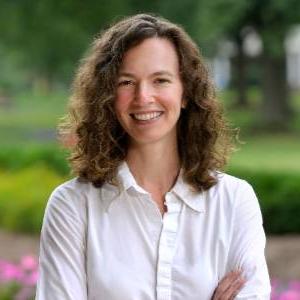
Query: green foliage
x=18, y=158
x=23, y=197
x=220, y=19
x=279, y=194
x=250, y=120
x=7, y=292
x=227, y=18
x=52, y=35
x=31, y=117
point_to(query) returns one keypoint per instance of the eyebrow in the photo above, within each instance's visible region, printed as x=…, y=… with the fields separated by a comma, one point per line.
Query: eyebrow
x=158, y=73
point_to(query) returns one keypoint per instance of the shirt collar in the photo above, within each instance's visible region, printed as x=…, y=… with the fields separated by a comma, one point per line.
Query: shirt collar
x=193, y=199
x=126, y=179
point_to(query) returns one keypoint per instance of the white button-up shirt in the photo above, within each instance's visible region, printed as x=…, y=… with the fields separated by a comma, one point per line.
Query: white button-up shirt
x=113, y=243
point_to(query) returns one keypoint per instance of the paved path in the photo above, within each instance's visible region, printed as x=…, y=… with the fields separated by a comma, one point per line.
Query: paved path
x=283, y=256
x=283, y=252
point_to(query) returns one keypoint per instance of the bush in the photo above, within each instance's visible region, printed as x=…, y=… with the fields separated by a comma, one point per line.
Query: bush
x=17, y=158
x=23, y=196
x=279, y=196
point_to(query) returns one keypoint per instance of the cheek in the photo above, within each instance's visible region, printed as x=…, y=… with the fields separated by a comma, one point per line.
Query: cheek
x=122, y=101
x=173, y=100
x=174, y=94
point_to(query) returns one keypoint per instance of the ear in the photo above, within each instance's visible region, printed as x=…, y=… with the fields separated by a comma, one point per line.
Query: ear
x=183, y=103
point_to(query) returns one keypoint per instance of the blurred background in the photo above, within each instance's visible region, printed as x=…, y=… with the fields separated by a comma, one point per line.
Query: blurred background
x=252, y=49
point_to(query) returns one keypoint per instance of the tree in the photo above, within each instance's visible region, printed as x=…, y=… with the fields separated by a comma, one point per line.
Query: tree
x=219, y=20
x=272, y=20
x=51, y=35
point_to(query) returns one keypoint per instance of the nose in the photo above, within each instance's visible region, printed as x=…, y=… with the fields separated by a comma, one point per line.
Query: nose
x=144, y=93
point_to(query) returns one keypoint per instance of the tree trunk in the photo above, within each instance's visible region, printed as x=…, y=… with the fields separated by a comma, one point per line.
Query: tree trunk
x=276, y=108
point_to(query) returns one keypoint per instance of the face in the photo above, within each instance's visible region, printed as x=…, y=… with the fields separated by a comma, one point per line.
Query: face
x=149, y=92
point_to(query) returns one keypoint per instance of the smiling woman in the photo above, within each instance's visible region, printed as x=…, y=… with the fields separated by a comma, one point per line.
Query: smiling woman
x=150, y=215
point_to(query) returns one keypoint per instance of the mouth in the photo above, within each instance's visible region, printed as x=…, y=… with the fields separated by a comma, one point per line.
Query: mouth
x=144, y=117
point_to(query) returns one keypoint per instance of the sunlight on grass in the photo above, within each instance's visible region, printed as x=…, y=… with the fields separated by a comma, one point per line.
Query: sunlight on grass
x=279, y=152
x=33, y=111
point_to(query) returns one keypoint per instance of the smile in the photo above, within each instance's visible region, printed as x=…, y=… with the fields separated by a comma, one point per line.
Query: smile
x=146, y=116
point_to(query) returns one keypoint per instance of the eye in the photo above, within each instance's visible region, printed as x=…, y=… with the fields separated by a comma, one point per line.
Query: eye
x=125, y=82
x=162, y=80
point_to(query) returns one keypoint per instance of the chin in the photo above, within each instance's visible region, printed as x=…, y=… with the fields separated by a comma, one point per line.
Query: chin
x=153, y=138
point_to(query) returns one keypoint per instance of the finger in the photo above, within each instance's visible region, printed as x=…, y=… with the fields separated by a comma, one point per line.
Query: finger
x=233, y=289
x=225, y=283
x=229, y=278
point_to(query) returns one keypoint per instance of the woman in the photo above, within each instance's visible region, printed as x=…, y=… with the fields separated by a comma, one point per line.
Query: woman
x=150, y=216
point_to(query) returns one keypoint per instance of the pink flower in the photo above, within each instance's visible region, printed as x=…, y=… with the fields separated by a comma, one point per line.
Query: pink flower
x=29, y=263
x=275, y=284
x=290, y=295
x=30, y=279
x=9, y=272
x=294, y=285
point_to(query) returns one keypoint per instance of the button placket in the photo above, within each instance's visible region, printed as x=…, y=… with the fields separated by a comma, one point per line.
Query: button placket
x=154, y=215
x=166, y=249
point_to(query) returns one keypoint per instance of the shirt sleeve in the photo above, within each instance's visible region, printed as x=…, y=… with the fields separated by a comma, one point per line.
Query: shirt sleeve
x=62, y=273
x=247, y=246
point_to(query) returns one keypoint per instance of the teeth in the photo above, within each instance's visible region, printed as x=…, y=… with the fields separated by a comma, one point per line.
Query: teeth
x=146, y=117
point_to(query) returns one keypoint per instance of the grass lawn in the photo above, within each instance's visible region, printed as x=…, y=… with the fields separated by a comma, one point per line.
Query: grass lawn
x=31, y=119
x=32, y=111
x=263, y=151
x=268, y=152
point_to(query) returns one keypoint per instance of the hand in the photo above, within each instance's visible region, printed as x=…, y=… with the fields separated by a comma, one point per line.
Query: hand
x=229, y=286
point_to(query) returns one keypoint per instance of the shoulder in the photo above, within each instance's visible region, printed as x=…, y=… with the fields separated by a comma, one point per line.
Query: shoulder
x=73, y=188
x=233, y=201
x=230, y=185
x=77, y=196
x=65, y=219
x=70, y=197
x=231, y=191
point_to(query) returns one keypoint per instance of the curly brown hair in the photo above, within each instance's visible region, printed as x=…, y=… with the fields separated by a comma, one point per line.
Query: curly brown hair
x=100, y=144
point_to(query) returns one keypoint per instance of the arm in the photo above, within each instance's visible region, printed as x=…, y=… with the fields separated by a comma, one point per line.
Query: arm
x=247, y=245
x=62, y=273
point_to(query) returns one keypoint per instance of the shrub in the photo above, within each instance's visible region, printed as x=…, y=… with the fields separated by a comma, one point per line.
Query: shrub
x=16, y=158
x=23, y=197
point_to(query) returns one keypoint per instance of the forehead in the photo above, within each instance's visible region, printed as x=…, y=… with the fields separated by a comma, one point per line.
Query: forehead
x=151, y=55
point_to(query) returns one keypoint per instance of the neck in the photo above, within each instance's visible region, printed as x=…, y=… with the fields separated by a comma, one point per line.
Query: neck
x=155, y=167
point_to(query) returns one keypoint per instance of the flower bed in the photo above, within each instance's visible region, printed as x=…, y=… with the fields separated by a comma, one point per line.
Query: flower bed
x=288, y=291
x=18, y=281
